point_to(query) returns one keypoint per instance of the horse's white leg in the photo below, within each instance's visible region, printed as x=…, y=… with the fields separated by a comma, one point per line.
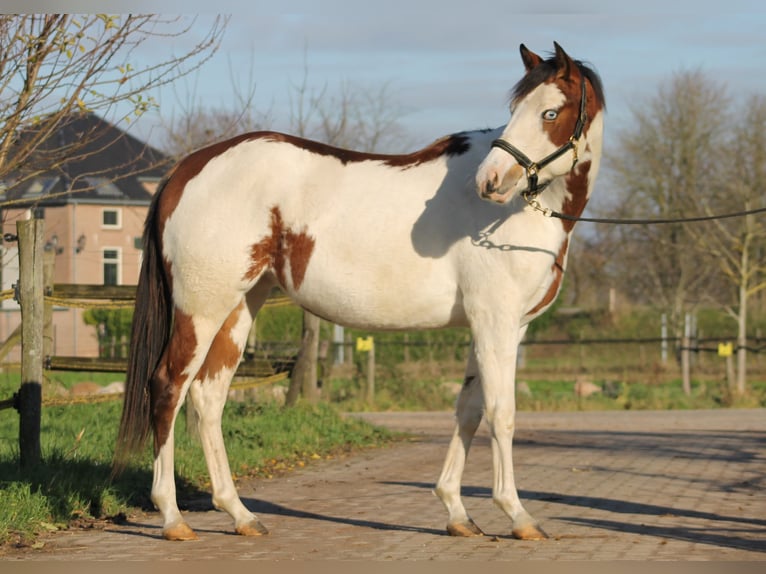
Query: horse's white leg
x=496, y=354
x=208, y=394
x=164, y=492
x=468, y=417
x=183, y=357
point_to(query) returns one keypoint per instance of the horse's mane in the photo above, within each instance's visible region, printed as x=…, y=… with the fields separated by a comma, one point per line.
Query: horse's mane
x=546, y=70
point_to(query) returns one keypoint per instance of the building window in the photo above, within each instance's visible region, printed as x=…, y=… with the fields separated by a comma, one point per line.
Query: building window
x=111, y=219
x=112, y=265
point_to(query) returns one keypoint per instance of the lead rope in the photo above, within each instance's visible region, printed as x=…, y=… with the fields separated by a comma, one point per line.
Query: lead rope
x=547, y=212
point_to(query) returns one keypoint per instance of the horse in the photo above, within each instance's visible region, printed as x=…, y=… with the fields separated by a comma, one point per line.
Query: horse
x=450, y=235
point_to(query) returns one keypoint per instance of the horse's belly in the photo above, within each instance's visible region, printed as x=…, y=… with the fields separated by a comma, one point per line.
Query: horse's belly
x=395, y=302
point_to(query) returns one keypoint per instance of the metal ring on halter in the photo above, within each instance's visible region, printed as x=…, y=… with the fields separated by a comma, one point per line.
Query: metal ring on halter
x=534, y=204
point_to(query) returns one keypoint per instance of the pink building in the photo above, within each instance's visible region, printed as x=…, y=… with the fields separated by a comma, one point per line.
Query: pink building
x=94, y=207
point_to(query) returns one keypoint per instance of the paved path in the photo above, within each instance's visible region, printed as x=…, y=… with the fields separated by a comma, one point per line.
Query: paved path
x=671, y=485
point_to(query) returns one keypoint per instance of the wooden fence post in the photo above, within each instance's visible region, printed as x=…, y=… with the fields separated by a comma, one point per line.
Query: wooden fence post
x=49, y=263
x=31, y=299
x=370, y=390
x=686, y=343
x=685, y=375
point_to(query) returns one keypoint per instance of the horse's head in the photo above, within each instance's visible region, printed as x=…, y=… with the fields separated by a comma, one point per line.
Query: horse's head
x=555, y=122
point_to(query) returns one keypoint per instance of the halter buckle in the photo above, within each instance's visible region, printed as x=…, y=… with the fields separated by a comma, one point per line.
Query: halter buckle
x=574, y=143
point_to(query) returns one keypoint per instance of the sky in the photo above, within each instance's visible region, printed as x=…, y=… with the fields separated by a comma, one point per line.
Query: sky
x=448, y=66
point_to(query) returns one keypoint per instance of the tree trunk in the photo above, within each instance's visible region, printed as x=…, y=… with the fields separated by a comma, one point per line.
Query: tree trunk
x=304, y=379
x=742, y=340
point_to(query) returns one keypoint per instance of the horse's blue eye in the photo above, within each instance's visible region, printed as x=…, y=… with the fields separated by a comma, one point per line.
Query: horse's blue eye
x=550, y=115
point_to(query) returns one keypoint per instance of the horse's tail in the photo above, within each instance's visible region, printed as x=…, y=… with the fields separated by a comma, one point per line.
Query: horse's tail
x=149, y=337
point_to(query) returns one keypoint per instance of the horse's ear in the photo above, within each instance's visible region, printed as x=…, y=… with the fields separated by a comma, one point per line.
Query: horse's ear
x=564, y=63
x=529, y=58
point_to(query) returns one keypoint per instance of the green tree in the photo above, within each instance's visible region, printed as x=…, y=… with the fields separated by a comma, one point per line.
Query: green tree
x=112, y=329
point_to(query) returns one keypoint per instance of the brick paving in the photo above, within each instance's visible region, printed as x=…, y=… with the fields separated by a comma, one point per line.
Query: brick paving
x=632, y=485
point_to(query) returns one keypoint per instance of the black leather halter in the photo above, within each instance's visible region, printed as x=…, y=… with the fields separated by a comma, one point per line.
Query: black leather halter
x=533, y=168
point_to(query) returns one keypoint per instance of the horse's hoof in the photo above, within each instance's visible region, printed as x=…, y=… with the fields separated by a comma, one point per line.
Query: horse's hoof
x=253, y=528
x=180, y=531
x=529, y=532
x=465, y=529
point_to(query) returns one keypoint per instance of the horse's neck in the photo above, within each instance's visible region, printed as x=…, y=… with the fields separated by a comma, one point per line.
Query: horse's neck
x=570, y=194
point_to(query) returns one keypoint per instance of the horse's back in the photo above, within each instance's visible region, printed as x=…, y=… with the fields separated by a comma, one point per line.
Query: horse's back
x=353, y=240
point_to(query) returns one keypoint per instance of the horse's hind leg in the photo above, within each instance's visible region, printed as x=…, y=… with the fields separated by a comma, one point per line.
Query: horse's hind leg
x=208, y=394
x=468, y=414
x=188, y=346
x=167, y=396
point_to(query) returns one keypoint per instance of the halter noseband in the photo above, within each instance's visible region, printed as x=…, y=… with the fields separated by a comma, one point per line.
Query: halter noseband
x=533, y=168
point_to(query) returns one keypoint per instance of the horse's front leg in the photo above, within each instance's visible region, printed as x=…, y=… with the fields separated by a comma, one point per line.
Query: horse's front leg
x=496, y=356
x=468, y=417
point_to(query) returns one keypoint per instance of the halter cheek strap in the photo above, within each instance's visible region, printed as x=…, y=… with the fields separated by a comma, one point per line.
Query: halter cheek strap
x=532, y=168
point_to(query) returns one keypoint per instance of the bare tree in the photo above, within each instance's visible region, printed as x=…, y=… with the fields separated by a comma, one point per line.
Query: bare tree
x=663, y=166
x=54, y=67
x=198, y=124
x=361, y=118
x=737, y=245
x=688, y=156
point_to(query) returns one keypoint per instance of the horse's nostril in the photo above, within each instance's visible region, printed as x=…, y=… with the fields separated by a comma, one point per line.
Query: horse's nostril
x=493, y=184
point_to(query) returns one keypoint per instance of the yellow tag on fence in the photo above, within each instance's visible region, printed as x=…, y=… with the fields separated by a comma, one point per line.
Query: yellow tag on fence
x=725, y=349
x=364, y=344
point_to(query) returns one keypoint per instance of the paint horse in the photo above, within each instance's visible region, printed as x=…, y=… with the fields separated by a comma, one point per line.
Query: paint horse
x=441, y=237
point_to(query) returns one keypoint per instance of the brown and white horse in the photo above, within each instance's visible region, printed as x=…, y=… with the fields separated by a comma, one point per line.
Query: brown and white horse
x=440, y=237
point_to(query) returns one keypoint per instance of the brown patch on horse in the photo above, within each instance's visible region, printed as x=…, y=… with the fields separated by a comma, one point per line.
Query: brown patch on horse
x=558, y=275
x=168, y=377
x=282, y=246
x=224, y=353
x=453, y=145
x=300, y=247
x=575, y=202
x=560, y=130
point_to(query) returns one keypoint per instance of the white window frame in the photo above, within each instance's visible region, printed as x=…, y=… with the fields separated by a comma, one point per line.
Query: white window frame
x=113, y=261
x=116, y=210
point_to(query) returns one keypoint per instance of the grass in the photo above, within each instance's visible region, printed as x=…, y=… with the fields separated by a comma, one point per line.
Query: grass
x=72, y=483
x=432, y=385
x=559, y=396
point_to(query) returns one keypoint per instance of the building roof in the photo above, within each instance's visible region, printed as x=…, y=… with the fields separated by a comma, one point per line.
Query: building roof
x=101, y=164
